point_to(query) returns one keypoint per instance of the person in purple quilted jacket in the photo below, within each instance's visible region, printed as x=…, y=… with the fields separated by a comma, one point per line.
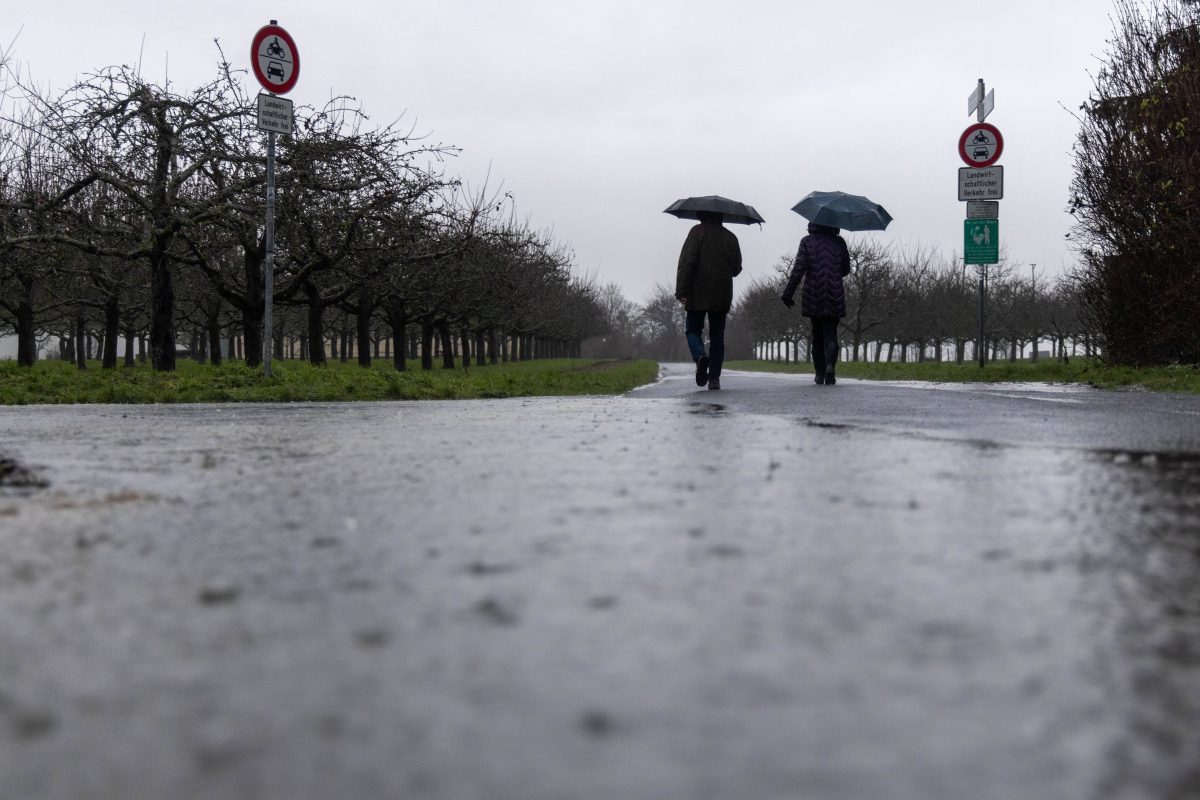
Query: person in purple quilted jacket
x=822, y=261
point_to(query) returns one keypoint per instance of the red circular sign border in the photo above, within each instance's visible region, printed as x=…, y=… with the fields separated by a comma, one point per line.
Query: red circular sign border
x=263, y=33
x=962, y=144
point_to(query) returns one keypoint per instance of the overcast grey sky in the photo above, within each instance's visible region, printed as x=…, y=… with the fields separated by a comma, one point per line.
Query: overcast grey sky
x=597, y=115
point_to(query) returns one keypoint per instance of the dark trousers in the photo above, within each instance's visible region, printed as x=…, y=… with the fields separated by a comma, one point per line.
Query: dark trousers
x=824, y=343
x=716, y=339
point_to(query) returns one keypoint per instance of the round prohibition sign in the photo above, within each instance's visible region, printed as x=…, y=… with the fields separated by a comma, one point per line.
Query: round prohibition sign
x=980, y=145
x=275, y=59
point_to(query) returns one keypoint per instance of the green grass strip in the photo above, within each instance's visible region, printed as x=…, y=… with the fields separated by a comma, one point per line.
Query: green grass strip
x=54, y=382
x=1080, y=370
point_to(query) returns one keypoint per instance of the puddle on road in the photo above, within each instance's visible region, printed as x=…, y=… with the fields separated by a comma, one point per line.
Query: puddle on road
x=14, y=475
x=708, y=409
x=1166, y=462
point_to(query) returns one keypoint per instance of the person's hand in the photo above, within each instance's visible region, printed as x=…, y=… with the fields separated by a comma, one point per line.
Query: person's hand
x=788, y=301
x=682, y=301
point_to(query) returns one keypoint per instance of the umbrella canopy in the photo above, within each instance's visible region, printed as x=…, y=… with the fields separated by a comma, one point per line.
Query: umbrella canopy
x=730, y=210
x=850, y=212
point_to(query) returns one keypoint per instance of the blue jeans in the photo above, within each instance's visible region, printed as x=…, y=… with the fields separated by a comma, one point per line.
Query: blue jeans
x=716, y=339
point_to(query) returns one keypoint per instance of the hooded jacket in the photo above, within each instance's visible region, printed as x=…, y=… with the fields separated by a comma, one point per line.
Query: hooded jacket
x=710, y=259
x=821, y=262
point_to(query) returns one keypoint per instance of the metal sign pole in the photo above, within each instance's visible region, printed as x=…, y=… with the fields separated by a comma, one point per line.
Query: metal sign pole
x=981, y=344
x=268, y=338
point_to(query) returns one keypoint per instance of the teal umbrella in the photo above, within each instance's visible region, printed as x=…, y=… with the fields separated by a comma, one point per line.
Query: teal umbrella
x=730, y=210
x=850, y=212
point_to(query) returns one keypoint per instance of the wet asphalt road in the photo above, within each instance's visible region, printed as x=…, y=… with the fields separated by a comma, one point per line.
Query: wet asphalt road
x=777, y=590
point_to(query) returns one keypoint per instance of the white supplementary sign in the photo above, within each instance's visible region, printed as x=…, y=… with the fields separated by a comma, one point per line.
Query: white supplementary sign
x=274, y=114
x=980, y=104
x=983, y=209
x=981, y=184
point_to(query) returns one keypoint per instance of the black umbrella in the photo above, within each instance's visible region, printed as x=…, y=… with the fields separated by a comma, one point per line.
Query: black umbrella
x=730, y=210
x=850, y=212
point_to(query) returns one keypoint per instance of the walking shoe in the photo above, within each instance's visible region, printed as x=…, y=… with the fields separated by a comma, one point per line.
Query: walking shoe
x=715, y=383
x=701, y=370
x=819, y=380
x=830, y=378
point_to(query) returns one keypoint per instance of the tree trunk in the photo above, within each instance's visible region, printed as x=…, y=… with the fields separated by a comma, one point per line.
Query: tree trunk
x=447, y=346
x=80, y=344
x=112, y=330
x=366, y=306
x=426, y=345
x=212, y=324
x=129, y=334
x=397, y=320
x=316, y=333
x=162, y=313
x=26, y=326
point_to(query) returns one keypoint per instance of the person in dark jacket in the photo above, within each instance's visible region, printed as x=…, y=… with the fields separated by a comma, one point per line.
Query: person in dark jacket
x=821, y=262
x=710, y=259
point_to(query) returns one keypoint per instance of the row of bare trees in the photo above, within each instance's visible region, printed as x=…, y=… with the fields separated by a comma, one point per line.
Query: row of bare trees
x=915, y=304
x=130, y=210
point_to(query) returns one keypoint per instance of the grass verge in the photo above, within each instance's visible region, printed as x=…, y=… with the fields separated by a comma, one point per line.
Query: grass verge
x=1079, y=370
x=58, y=382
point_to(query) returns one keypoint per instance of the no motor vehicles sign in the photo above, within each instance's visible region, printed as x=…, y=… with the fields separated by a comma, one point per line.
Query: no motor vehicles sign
x=275, y=59
x=980, y=145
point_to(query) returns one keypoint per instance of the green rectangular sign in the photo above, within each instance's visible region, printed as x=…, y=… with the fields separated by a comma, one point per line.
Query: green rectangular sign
x=981, y=241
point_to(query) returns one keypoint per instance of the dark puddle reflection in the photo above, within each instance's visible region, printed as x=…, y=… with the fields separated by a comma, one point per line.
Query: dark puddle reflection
x=708, y=409
x=17, y=476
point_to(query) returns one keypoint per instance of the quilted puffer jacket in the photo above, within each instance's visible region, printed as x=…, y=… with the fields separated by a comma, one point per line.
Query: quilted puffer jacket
x=821, y=262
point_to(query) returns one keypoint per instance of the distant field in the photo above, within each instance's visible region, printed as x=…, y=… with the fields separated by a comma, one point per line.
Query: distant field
x=59, y=382
x=1079, y=370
